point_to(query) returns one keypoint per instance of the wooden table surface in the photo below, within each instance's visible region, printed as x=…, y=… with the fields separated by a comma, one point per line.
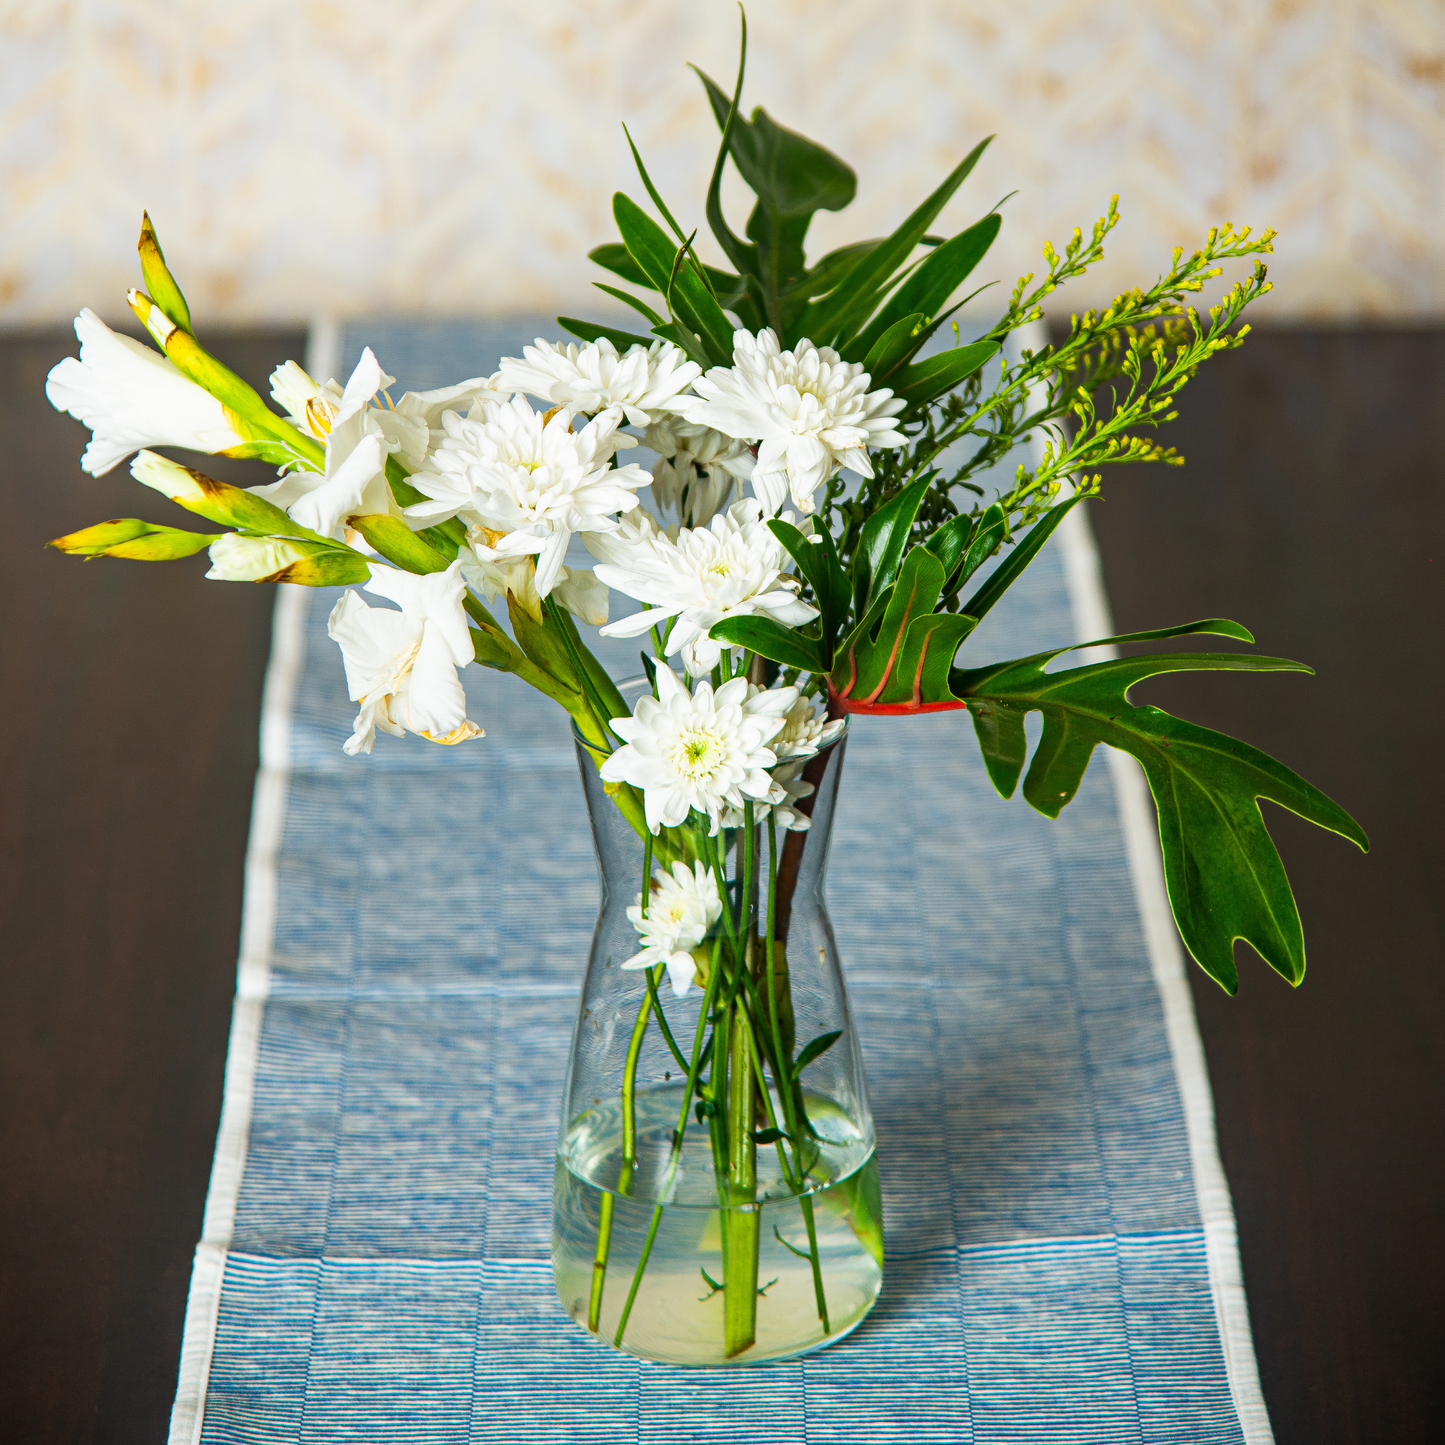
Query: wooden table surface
x=1311, y=510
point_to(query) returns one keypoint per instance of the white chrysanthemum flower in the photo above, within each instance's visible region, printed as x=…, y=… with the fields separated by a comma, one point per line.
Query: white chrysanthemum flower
x=734, y=568
x=681, y=907
x=696, y=470
x=402, y=666
x=809, y=411
x=593, y=377
x=530, y=484
x=132, y=397
x=354, y=480
x=805, y=731
x=705, y=751
x=578, y=589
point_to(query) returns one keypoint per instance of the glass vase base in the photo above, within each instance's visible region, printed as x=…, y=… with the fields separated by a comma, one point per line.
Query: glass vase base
x=819, y=1255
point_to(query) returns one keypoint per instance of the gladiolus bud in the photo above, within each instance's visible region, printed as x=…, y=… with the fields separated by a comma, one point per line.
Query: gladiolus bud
x=216, y=501
x=132, y=538
x=158, y=279
x=273, y=559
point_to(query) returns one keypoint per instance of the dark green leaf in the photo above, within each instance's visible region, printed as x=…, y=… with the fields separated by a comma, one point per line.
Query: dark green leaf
x=880, y=545
x=1224, y=876
x=991, y=530
x=842, y=313
x=691, y=301
x=950, y=544
x=641, y=307
x=770, y=1136
x=927, y=290
x=892, y=348
x=906, y=661
x=590, y=331
x=742, y=255
x=818, y=563
x=1011, y=568
x=615, y=257
x=811, y=1051
x=926, y=380
x=771, y=639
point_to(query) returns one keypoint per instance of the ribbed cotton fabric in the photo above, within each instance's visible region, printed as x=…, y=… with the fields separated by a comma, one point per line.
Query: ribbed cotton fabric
x=376, y=1261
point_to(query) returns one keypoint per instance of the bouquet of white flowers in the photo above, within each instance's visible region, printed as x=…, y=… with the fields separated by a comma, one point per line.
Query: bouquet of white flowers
x=830, y=555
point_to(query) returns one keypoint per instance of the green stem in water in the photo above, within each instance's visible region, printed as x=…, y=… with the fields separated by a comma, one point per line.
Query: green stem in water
x=785, y=1084
x=742, y=1224
x=629, y=1130
x=709, y=994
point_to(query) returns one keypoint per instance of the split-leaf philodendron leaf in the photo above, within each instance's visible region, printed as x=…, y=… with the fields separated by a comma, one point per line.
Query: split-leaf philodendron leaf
x=1224, y=876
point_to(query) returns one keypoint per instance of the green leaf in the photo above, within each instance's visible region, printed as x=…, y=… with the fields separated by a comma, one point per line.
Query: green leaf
x=792, y=177
x=926, y=380
x=615, y=257
x=842, y=313
x=893, y=347
x=927, y=290
x=641, y=307
x=591, y=331
x=770, y=1136
x=950, y=542
x=904, y=662
x=880, y=544
x=1008, y=571
x=992, y=528
x=691, y=302
x=811, y=1051
x=1224, y=876
x=771, y=639
x=818, y=564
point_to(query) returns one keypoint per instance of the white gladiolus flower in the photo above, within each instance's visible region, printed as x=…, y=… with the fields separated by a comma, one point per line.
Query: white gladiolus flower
x=734, y=568
x=402, y=666
x=132, y=397
x=682, y=906
x=684, y=449
x=810, y=411
x=705, y=751
x=354, y=481
x=530, y=485
x=247, y=559
x=593, y=377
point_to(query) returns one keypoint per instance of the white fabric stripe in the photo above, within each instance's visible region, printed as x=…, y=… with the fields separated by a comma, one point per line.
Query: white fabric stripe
x=253, y=974
x=1166, y=958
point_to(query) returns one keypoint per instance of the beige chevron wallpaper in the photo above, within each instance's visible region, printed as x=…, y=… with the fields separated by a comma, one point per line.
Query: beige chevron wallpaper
x=458, y=156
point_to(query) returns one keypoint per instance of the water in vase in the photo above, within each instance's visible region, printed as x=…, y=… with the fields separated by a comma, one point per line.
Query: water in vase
x=832, y=1270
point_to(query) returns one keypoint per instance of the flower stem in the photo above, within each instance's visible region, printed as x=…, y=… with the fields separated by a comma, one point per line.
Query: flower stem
x=742, y=1223
x=709, y=994
x=629, y=1127
x=782, y=1069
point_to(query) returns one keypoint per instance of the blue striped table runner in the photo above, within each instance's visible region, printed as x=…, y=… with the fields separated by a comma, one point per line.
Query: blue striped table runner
x=375, y=1254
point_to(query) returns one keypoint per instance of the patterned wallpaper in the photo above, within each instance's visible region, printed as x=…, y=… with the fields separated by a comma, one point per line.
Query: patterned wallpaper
x=458, y=156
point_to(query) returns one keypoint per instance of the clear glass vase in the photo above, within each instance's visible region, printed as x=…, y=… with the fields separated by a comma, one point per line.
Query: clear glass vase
x=717, y=1195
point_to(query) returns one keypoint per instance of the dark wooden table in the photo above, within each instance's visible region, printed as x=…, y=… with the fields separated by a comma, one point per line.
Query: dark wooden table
x=1311, y=510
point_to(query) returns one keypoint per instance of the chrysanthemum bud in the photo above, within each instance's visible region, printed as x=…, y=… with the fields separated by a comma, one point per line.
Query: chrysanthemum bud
x=132, y=538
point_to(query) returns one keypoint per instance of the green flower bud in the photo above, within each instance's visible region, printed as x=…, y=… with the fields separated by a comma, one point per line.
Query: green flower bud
x=137, y=540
